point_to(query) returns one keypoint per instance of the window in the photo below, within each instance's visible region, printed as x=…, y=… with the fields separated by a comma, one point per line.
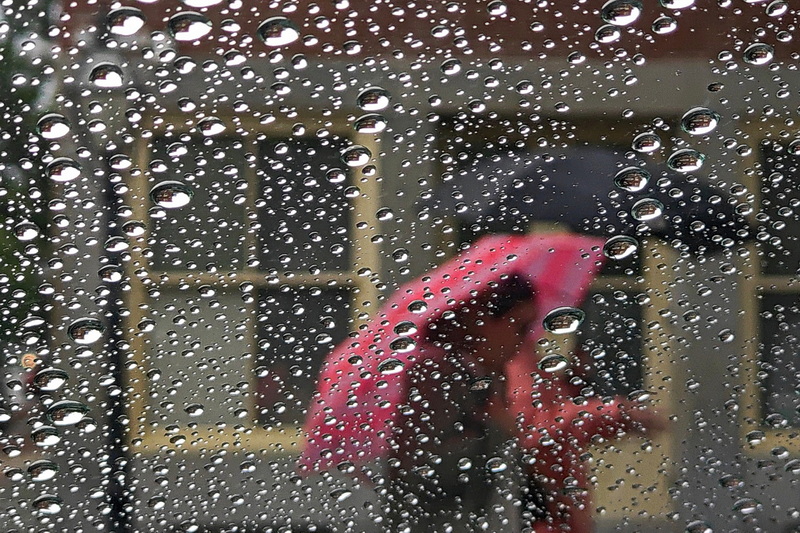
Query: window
x=242, y=291
x=773, y=390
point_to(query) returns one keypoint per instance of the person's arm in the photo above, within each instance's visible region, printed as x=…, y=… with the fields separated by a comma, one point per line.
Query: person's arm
x=555, y=432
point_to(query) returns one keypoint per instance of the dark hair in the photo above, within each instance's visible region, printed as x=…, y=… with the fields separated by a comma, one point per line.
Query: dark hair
x=505, y=294
x=508, y=293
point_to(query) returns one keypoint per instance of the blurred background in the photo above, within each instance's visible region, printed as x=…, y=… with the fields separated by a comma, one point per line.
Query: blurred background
x=200, y=199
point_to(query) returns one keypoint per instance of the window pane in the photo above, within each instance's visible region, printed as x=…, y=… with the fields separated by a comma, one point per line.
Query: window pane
x=780, y=366
x=524, y=189
x=303, y=210
x=199, y=358
x=611, y=341
x=296, y=329
x=780, y=212
x=211, y=228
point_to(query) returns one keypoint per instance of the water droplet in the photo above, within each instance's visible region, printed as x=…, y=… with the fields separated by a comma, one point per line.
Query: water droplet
x=632, y=179
x=299, y=61
x=50, y=379
x=86, y=331
x=405, y=328
x=45, y=436
x=14, y=474
x=66, y=412
x=576, y=58
x=792, y=467
x=676, y=4
x=731, y=482
x=497, y=8
x=495, y=465
x=352, y=47
x=370, y=124
x=755, y=437
x=185, y=65
x=110, y=273
x=647, y=209
x=390, y=366
x=620, y=246
x=402, y=345
x=563, y=320
x=53, y=126
x=758, y=54
x=691, y=317
x=278, y=31
x=451, y=67
x=746, y=506
x=777, y=8
x=210, y=126
x=480, y=384
x=120, y=162
x=794, y=147
x=208, y=291
x=476, y=106
x=699, y=526
x=440, y=31
x=42, y=470
x=157, y=502
x=234, y=58
x=47, y=504
x=646, y=142
x=686, y=160
x=106, y=76
x=607, y=34
x=621, y=12
x=194, y=409
x=664, y=25
x=726, y=335
x=356, y=156
x=401, y=255
x=553, y=363
x=26, y=231
x=134, y=228
x=341, y=495
x=699, y=121
x=171, y=194
x=33, y=321
x=188, y=26
x=373, y=99
x=201, y=4
x=640, y=395
x=63, y=169
x=418, y=306
x=125, y=21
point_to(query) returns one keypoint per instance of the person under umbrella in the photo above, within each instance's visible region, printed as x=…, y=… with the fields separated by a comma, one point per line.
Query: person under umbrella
x=444, y=383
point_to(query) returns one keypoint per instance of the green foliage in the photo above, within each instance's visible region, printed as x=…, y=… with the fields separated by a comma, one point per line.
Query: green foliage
x=22, y=187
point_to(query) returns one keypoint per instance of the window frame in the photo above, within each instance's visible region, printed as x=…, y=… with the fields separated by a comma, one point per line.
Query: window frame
x=241, y=434
x=756, y=284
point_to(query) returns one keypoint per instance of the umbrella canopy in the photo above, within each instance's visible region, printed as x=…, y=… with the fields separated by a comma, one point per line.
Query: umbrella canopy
x=593, y=191
x=364, y=380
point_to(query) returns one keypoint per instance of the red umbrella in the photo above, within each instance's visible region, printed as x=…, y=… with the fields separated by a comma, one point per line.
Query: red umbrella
x=363, y=380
